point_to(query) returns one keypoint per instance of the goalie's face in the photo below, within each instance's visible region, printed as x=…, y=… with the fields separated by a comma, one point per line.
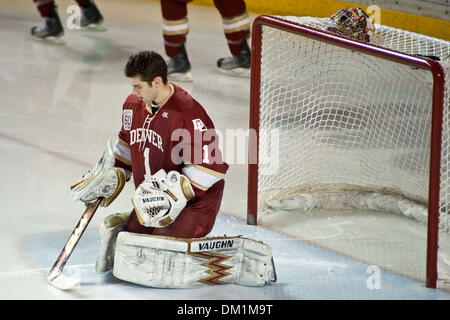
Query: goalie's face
x=143, y=89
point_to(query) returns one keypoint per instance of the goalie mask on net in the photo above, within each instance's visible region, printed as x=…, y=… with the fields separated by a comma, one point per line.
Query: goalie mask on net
x=352, y=22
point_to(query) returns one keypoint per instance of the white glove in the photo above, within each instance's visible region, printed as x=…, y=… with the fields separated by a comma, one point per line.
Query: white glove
x=159, y=201
x=103, y=180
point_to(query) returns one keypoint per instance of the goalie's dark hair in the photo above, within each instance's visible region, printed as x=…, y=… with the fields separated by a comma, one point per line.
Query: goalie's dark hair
x=148, y=65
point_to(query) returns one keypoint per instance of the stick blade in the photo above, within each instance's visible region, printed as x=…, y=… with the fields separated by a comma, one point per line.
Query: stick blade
x=55, y=277
x=63, y=282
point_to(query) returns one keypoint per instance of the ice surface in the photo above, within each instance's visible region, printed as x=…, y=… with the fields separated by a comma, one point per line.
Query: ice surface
x=59, y=104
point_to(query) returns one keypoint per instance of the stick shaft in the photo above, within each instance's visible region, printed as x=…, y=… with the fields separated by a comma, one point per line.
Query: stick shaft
x=73, y=240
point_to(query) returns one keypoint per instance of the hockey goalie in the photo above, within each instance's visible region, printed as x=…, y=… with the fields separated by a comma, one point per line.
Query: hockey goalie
x=168, y=145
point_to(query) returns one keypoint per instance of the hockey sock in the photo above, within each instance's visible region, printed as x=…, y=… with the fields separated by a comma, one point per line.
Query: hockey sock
x=44, y=7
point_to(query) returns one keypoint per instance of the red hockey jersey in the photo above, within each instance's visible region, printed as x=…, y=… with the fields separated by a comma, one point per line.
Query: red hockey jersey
x=178, y=136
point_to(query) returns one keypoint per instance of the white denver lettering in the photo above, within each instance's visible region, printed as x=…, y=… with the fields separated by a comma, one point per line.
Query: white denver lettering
x=141, y=135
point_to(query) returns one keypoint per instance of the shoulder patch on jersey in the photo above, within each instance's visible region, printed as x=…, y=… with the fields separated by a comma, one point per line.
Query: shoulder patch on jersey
x=127, y=119
x=199, y=125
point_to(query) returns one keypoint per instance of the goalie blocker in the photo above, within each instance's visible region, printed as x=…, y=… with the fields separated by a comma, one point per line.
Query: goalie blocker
x=165, y=262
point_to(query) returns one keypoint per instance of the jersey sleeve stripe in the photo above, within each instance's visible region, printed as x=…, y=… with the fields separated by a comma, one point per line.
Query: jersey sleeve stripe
x=200, y=179
x=122, y=143
x=211, y=172
x=123, y=160
x=203, y=188
x=122, y=152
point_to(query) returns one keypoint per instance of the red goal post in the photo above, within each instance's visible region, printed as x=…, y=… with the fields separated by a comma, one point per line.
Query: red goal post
x=378, y=51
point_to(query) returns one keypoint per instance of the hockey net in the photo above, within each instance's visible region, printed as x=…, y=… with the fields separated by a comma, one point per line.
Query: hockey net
x=345, y=125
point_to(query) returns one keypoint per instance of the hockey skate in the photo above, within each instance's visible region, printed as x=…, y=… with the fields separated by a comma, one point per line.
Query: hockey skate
x=51, y=29
x=90, y=19
x=236, y=66
x=179, y=67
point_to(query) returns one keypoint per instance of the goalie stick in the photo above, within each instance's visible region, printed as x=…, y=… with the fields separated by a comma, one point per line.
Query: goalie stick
x=55, y=276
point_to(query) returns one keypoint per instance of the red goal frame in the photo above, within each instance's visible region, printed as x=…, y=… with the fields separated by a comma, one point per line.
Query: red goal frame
x=413, y=61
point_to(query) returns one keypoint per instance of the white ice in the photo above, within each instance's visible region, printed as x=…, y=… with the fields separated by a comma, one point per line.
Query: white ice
x=59, y=105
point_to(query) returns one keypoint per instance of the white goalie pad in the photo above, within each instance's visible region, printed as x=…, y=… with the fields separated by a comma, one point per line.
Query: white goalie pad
x=165, y=262
x=109, y=229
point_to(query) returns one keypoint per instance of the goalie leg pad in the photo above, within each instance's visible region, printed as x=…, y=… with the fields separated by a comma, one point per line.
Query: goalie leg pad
x=109, y=229
x=165, y=262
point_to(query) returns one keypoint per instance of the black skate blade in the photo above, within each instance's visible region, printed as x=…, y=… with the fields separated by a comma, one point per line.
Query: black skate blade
x=49, y=40
x=180, y=76
x=93, y=27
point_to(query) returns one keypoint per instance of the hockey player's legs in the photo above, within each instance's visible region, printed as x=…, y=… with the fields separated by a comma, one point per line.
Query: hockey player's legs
x=230, y=8
x=91, y=18
x=51, y=28
x=82, y=3
x=189, y=224
x=44, y=6
x=175, y=27
x=175, y=30
x=236, y=27
x=236, y=23
x=134, y=226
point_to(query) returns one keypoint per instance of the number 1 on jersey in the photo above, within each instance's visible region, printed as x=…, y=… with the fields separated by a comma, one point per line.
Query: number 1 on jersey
x=148, y=172
x=205, y=154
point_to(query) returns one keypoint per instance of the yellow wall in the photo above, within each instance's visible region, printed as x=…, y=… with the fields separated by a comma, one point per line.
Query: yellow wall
x=325, y=8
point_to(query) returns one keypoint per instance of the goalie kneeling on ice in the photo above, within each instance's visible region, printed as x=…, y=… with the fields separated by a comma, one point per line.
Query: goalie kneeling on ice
x=165, y=262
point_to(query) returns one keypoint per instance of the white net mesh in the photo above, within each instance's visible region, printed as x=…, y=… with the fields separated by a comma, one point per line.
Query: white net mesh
x=340, y=125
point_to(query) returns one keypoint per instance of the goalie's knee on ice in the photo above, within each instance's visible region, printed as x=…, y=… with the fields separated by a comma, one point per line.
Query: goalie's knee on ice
x=109, y=229
x=165, y=262
x=113, y=221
